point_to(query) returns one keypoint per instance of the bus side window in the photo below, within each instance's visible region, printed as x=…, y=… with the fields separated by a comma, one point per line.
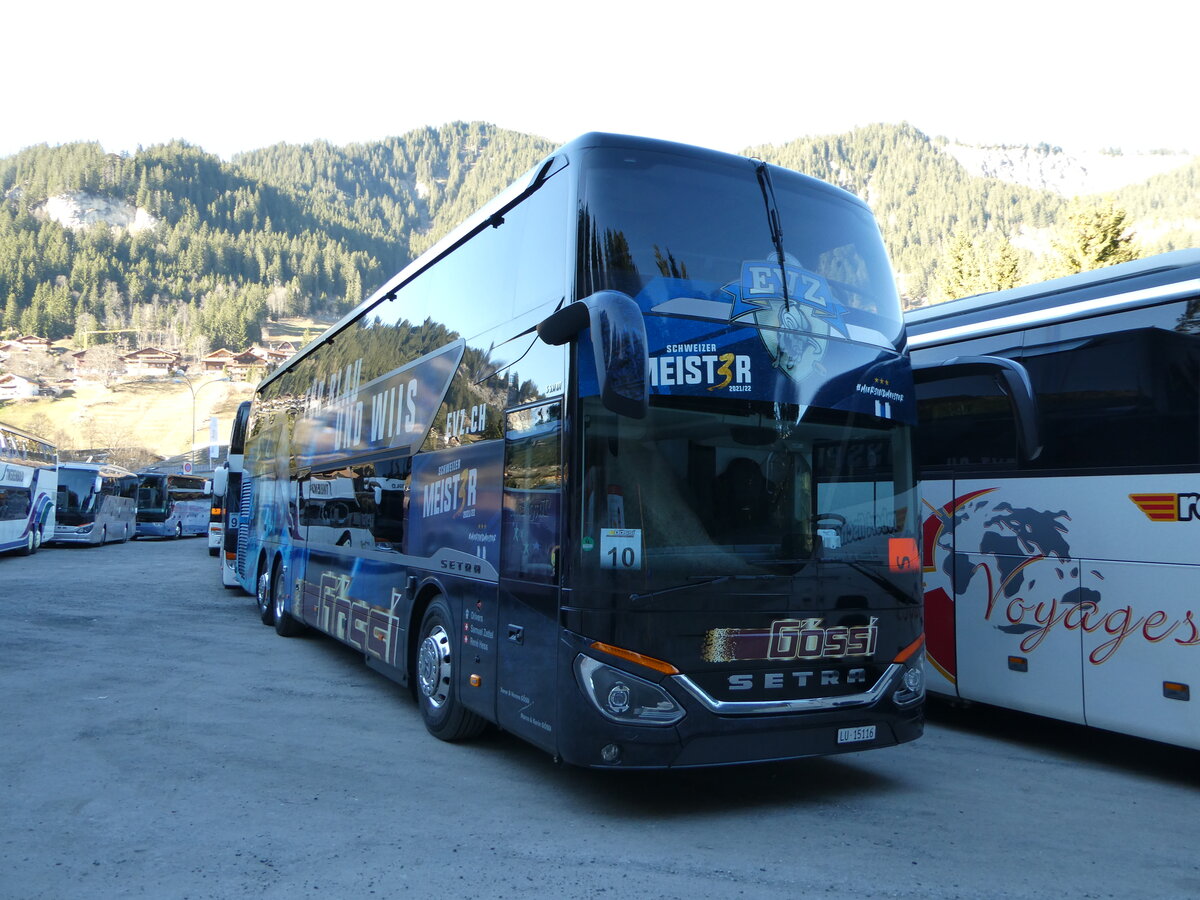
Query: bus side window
x=965, y=424
x=384, y=489
x=532, y=493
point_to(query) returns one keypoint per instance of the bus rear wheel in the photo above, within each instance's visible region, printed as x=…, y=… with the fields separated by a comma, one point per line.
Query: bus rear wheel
x=31, y=545
x=286, y=625
x=444, y=715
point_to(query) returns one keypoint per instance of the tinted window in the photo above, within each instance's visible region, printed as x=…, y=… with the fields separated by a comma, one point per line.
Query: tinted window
x=965, y=423
x=1119, y=391
x=532, y=493
x=361, y=507
x=1118, y=401
x=659, y=226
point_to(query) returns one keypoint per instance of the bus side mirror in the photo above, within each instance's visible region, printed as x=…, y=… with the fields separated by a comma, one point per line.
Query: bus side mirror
x=1012, y=379
x=220, y=482
x=98, y=485
x=619, y=344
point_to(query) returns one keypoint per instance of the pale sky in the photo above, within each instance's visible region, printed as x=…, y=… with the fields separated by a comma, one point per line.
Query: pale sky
x=233, y=76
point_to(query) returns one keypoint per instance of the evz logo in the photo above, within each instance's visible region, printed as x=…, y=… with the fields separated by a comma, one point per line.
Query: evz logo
x=806, y=639
x=797, y=320
x=1169, y=507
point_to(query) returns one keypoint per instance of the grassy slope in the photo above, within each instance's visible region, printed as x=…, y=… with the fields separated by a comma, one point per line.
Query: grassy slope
x=153, y=415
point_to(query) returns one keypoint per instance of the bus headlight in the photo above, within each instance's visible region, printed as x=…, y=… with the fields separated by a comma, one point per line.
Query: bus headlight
x=623, y=697
x=912, y=682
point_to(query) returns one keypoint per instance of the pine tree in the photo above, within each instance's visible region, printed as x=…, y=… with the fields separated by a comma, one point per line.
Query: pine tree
x=1093, y=236
x=974, y=264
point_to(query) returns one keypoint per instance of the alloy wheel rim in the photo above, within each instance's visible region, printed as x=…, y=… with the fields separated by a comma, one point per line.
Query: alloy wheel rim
x=433, y=667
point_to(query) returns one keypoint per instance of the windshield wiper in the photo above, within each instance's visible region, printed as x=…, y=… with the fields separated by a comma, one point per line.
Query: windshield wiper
x=768, y=191
x=700, y=581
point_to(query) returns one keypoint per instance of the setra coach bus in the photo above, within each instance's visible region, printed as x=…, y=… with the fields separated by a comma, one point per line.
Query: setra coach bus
x=623, y=466
x=1066, y=583
x=97, y=504
x=171, y=505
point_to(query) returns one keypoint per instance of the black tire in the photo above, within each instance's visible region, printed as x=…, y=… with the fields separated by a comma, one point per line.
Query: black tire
x=31, y=545
x=178, y=531
x=286, y=625
x=434, y=678
x=262, y=587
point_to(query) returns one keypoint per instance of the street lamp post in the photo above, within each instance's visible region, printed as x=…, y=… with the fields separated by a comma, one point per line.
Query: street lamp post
x=195, y=390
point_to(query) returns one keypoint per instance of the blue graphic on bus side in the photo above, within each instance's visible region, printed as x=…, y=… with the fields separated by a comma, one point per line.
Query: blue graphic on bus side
x=455, y=502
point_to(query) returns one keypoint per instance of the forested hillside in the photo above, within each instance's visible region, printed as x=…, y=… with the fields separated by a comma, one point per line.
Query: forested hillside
x=288, y=230
x=206, y=251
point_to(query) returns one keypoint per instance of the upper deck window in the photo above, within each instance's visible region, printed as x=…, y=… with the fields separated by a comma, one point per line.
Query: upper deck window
x=653, y=225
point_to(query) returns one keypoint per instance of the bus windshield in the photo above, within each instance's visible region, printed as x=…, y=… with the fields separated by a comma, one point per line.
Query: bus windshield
x=690, y=493
x=76, y=490
x=659, y=227
x=151, y=495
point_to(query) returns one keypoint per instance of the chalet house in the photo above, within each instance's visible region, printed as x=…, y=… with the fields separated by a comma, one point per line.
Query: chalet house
x=270, y=356
x=240, y=367
x=217, y=360
x=26, y=342
x=14, y=387
x=151, y=361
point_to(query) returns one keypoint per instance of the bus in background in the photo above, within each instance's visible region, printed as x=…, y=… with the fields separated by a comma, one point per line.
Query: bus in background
x=1067, y=584
x=97, y=504
x=28, y=487
x=622, y=465
x=170, y=506
x=232, y=489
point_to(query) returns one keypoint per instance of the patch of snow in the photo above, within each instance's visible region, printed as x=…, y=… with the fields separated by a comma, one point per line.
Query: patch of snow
x=1068, y=174
x=79, y=210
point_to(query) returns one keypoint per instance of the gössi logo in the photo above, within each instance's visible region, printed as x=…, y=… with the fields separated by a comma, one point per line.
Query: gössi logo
x=701, y=365
x=807, y=639
x=791, y=639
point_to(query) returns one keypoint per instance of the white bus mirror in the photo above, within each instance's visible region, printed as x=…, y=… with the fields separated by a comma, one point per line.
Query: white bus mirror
x=220, y=482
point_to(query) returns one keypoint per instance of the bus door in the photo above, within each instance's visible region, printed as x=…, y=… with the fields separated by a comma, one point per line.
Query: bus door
x=529, y=574
x=1017, y=591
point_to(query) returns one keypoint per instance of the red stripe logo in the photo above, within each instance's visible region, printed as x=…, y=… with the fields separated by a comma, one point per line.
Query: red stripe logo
x=1158, y=507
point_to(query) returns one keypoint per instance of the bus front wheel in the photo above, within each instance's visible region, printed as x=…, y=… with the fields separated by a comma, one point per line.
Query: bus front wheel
x=444, y=715
x=262, y=594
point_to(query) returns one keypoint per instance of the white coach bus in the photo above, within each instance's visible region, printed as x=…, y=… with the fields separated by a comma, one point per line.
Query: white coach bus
x=1068, y=584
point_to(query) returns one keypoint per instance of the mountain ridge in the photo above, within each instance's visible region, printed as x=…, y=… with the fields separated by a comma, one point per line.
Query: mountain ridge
x=294, y=229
